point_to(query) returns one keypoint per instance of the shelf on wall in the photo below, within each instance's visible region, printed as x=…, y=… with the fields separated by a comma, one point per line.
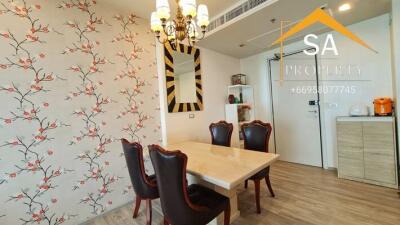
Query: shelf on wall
x=242, y=104
x=234, y=112
x=239, y=86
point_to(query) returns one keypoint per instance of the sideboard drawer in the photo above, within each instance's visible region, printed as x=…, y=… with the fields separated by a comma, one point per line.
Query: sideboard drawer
x=378, y=137
x=380, y=168
x=351, y=162
x=350, y=134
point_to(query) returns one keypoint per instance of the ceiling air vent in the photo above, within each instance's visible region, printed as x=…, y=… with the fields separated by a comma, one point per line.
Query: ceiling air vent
x=232, y=14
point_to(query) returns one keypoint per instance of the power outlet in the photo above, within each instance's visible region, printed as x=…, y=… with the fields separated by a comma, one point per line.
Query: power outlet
x=191, y=116
x=333, y=105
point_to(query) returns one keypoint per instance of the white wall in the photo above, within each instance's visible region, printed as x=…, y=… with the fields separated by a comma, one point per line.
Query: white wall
x=216, y=72
x=396, y=55
x=374, y=67
x=396, y=36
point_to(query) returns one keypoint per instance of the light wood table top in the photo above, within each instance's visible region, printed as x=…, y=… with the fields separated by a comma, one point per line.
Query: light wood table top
x=226, y=167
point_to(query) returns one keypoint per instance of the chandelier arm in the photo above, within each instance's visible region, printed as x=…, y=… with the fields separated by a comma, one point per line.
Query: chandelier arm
x=162, y=42
x=191, y=40
x=191, y=26
x=191, y=44
x=187, y=31
x=203, y=35
x=167, y=28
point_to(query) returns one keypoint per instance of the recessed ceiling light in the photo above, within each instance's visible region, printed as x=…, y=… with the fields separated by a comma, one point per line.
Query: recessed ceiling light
x=344, y=7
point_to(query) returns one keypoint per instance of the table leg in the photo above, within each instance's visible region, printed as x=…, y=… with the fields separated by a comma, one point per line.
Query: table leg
x=231, y=194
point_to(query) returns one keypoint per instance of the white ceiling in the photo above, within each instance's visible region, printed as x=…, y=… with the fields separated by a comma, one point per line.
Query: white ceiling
x=144, y=8
x=257, y=32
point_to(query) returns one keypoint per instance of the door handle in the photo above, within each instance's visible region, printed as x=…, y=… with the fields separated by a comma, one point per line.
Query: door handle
x=313, y=111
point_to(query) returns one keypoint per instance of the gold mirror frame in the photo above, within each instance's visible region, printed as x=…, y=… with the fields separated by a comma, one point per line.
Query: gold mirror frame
x=173, y=106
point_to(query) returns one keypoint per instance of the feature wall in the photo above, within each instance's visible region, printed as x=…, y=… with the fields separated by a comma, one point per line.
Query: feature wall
x=76, y=76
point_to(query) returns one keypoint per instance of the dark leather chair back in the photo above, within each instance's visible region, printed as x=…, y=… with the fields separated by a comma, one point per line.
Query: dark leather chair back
x=143, y=186
x=256, y=135
x=170, y=168
x=221, y=133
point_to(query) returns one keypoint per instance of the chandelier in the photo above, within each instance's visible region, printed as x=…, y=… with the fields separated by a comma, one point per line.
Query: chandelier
x=183, y=26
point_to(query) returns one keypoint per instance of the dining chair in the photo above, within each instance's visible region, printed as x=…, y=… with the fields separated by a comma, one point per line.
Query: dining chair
x=256, y=137
x=182, y=204
x=221, y=133
x=145, y=186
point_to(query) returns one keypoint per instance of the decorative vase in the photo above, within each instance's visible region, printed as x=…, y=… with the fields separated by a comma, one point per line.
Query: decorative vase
x=231, y=99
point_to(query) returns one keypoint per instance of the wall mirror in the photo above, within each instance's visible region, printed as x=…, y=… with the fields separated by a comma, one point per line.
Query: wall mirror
x=183, y=78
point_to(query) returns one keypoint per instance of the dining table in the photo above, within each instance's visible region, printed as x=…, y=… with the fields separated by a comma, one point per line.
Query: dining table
x=222, y=169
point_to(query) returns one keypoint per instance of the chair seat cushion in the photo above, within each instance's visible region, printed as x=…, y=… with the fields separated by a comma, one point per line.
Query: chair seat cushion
x=261, y=175
x=203, y=196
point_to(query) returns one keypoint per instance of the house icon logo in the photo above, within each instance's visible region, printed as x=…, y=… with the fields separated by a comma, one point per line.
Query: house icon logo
x=319, y=15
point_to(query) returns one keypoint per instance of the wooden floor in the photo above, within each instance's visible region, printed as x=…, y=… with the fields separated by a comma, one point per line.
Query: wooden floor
x=304, y=195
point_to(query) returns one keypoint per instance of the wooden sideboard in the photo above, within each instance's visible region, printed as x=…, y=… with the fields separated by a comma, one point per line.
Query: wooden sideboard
x=366, y=148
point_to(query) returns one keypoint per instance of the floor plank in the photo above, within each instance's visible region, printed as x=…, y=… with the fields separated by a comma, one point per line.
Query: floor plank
x=304, y=196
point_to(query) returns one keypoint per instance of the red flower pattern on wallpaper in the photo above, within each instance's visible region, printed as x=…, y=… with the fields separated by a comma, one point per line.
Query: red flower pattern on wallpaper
x=103, y=100
x=133, y=103
x=29, y=112
x=92, y=129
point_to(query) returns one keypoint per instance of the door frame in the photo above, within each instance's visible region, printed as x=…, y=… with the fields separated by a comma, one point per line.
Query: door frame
x=318, y=98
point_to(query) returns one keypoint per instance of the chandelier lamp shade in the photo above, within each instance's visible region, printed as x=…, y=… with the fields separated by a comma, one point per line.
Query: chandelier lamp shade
x=183, y=26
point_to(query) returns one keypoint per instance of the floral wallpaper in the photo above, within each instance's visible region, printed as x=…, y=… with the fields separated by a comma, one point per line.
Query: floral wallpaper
x=76, y=76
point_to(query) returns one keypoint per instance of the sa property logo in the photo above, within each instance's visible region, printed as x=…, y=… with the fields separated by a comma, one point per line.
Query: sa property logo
x=319, y=15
